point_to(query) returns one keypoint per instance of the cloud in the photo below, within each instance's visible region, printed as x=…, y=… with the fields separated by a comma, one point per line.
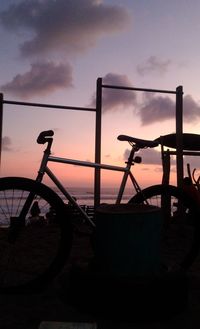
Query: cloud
x=158, y=109
x=152, y=109
x=49, y=27
x=154, y=65
x=73, y=25
x=149, y=156
x=6, y=144
x=191, y=109
x=116, y=99
x=43, y=77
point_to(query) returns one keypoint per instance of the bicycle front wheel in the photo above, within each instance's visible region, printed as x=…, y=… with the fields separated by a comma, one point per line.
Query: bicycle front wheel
x=33, y=246
x=180, y=236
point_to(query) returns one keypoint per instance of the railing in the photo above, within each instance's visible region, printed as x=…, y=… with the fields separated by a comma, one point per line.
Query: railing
x=97, y=135
x=98, y=109
x=178, y=117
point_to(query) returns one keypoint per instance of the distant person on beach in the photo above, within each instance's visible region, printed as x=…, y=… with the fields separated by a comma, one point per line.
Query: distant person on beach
x=35, y=217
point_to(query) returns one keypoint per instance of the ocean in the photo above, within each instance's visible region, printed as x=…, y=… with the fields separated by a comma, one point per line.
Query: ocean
x=11, y=201
x=85, y=195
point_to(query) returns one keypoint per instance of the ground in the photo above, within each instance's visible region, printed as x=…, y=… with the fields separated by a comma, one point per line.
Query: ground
x=28, y=311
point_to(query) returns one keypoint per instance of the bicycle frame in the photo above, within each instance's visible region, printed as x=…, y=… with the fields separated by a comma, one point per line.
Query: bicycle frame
x=44, y=169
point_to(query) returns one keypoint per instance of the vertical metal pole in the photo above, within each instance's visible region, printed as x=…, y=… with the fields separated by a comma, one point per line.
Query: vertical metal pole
x=97, y=180
x=179, y=135
x=1, y=123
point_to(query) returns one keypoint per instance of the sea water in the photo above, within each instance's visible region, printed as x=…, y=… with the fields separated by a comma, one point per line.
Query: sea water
x=11, y=201
x=85, y=195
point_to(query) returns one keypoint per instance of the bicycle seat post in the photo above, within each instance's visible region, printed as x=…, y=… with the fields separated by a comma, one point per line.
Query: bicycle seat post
x=130, y=160
x=44, y=137
x=48, y=148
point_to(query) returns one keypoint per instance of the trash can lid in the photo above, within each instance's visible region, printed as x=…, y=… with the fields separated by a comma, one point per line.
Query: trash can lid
x=191, y=142
x=126, y=208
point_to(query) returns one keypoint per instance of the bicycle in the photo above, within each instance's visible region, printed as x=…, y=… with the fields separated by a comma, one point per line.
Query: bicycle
x=36, y=225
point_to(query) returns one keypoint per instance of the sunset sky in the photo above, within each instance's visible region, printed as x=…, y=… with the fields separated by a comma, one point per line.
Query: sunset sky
x=53, y=51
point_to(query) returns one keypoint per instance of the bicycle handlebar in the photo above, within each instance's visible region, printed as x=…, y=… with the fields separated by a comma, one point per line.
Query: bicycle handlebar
x=44, y=136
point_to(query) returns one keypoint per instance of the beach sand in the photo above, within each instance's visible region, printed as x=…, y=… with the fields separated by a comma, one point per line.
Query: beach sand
x=28, y=311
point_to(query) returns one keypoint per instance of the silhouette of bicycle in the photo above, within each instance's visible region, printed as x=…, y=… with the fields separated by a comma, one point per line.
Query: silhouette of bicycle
x=36, y=225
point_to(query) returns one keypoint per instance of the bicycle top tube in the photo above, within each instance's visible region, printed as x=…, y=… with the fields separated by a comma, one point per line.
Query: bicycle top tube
x=86, y=163
x=136, y=143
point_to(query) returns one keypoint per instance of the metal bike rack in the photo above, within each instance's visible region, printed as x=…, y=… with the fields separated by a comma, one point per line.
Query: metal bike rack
x=98, y=109
x=179, y=125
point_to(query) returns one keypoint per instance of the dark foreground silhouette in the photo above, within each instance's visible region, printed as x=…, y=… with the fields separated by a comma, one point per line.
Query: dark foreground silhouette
x=27, y=311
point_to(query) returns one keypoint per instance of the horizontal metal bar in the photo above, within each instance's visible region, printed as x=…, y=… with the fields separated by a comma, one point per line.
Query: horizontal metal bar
x=86, y=164
x=141, y=89
x=191, y=153
x=50, y=106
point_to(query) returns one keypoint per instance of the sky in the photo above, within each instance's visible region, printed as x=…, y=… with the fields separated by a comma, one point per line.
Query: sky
x=53, y=51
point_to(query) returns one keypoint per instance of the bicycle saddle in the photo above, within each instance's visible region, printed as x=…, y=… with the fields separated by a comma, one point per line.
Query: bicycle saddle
x=141, y=143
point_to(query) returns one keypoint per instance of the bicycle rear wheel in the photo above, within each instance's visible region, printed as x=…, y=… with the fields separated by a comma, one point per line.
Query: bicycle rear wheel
x=180, y=236
x=35, y=246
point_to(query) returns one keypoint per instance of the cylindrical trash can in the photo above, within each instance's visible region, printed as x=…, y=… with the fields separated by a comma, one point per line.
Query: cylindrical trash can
x=128, y=239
